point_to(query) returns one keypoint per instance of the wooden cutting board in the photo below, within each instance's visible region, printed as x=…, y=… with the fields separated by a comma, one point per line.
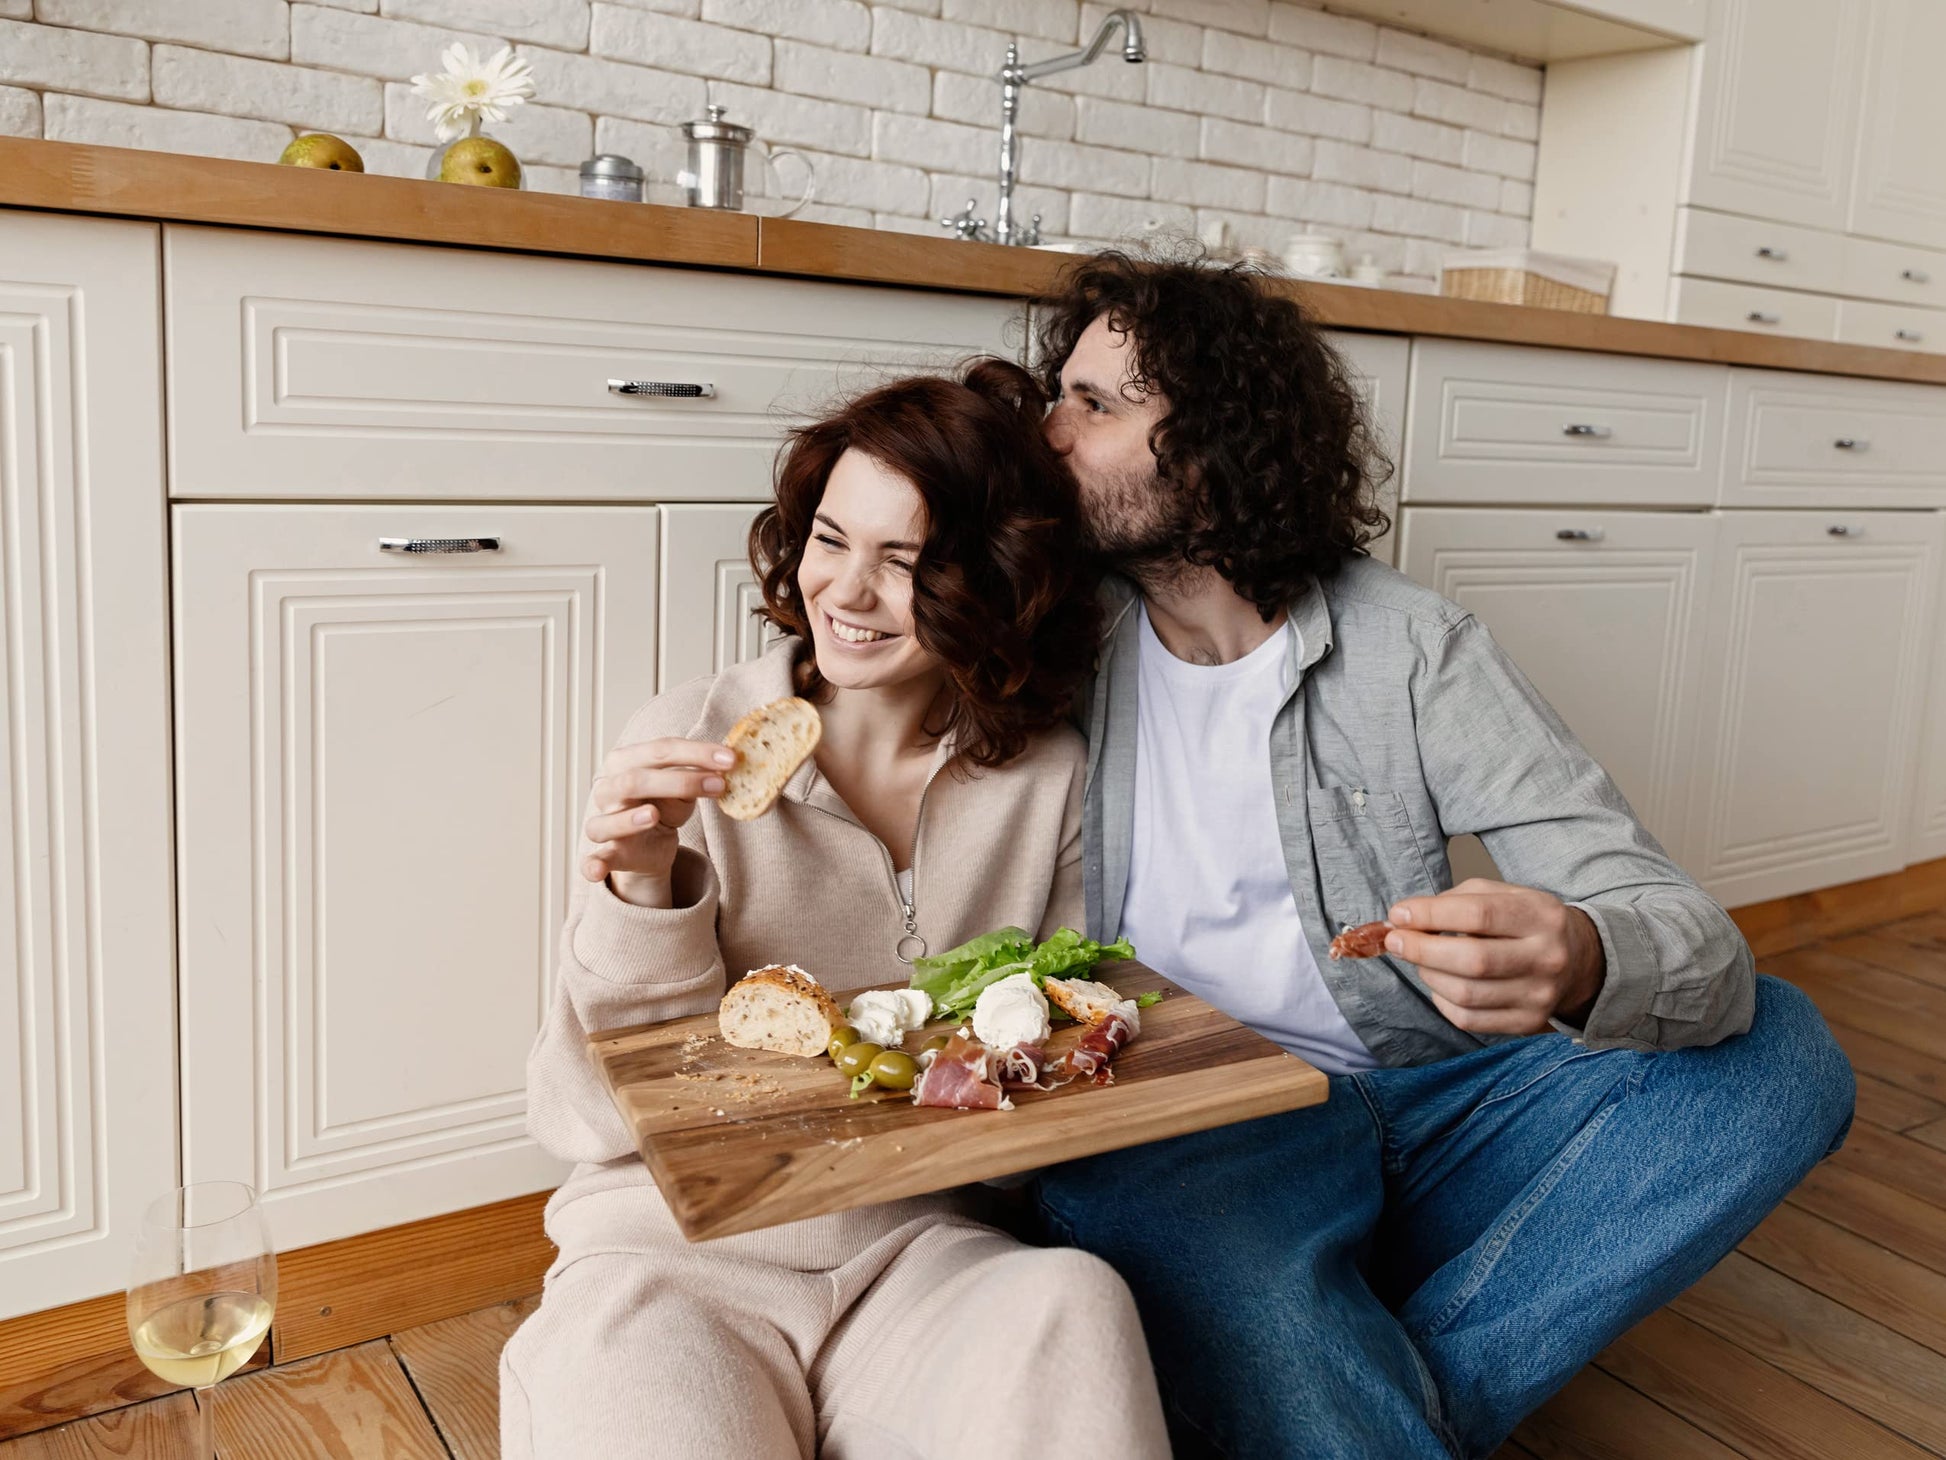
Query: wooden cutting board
x=739, y=1139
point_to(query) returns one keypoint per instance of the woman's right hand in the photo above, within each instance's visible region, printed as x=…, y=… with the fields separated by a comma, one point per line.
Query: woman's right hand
x=644, y=793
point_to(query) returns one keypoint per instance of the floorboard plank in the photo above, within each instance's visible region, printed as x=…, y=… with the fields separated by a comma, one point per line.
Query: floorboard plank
x=1890, y=1005
x=455, y=1366
x=1912, y=1166
x=1739, y=1399
x=1598, y=1417
x=1864, y=1276
x=1925, y=929
x=1922, y=961
x=355, y=1404
x=1909, y=1069
x=1879, y=1373
x=1883, y=1214
x=1885, y=1105
x=160, y=1429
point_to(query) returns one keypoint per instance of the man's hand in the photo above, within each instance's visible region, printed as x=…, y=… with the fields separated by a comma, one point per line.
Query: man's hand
x=1522, y=956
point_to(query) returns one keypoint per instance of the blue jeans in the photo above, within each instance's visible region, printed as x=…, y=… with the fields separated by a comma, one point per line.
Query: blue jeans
x=1413, y=1266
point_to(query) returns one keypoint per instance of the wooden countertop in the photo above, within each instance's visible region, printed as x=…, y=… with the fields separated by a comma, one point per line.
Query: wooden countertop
x=119, y=182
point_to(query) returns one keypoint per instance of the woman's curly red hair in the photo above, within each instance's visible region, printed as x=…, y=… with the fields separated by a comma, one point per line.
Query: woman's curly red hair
x=1001, y=593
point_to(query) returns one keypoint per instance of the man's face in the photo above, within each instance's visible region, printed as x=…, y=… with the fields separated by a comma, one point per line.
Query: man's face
x=1101, y=424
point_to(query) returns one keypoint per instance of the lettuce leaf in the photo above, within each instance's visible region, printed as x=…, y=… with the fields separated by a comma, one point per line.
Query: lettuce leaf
x=954, y=980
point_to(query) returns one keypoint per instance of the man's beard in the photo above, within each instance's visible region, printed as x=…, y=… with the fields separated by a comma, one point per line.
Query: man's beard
x=1139, y=525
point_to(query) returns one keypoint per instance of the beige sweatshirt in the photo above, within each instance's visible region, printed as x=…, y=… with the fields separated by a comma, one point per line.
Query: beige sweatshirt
x=805, y=884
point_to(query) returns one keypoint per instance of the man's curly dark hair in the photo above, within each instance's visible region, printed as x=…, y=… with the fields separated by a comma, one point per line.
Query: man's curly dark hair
x=1264, y=424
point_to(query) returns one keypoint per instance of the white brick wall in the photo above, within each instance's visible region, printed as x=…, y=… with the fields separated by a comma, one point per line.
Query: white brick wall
x=1269, y=116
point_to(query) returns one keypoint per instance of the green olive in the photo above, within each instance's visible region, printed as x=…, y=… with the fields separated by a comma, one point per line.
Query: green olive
x=938, y=1041
x=842, y=1038
x=895, y=1069
x=855, y=1059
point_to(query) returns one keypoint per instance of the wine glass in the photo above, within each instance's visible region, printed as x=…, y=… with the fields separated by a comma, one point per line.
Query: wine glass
x=202, y=1288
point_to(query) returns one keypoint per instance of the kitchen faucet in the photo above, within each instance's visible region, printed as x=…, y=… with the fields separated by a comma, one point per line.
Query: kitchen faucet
x=1013, y=76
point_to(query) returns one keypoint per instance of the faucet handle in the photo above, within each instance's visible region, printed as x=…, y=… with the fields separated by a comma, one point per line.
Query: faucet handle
x=1030, y=236
x=964, y=225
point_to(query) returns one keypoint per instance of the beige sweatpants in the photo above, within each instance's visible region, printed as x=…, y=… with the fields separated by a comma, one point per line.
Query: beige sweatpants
x=906, y=1331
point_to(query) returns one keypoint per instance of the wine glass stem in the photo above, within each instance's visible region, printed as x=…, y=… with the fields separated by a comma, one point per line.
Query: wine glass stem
x=206, y=1423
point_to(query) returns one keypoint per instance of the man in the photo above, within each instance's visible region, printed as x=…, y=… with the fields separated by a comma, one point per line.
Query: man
x=1556, y=1100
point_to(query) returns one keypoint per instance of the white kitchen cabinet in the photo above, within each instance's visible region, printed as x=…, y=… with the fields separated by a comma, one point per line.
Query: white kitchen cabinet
x=710, y=596
x=1716, y=305
x=1928, y=823
x=1820, y=632
x=1512, y=423
x=1899, y=190
x=1830, y=441
x=382, y=764
x=87, y=1086
x=1378, y=366
x=1602, y=611
x=343, y=369
x=1776, y=110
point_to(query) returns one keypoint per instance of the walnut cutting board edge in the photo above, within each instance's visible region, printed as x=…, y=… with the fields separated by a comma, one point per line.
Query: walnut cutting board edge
x=741, y=1139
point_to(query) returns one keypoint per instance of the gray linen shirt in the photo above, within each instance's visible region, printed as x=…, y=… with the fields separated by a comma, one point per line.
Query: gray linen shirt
x=1407, y=725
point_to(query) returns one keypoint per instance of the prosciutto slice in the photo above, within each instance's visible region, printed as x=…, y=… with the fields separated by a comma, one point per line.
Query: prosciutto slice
x=1097, y=1047
x=1026, y=1066
x=961, y=1077
x=1367, y=940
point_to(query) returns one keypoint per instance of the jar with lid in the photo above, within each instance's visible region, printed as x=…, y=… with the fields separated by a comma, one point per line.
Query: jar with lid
x=610, y=175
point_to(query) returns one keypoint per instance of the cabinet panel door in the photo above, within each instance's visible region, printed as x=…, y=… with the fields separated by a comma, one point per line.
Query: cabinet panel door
x=1899, y=191
x=87, y=1098
x=709, y=594
x=1777, y=110
x=340, y=368
x=383, y=763
x=1813, y=680
x=1602, y=612
x=1378, y=365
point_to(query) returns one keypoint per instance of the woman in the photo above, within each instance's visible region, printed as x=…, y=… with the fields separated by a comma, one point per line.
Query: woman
x=920, y=557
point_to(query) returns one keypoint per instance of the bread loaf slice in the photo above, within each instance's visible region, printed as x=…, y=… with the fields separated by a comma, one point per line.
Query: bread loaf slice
x=771, y=743
x=780, y=1008
x=1083, y=999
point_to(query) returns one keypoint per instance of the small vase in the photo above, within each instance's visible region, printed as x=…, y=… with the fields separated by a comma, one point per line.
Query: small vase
x=438, y=158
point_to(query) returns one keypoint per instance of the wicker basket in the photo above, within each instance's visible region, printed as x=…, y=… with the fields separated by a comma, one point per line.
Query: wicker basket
x=1519, y=276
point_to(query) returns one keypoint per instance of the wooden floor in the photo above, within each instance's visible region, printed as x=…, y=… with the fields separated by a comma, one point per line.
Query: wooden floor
x=1822, y=1338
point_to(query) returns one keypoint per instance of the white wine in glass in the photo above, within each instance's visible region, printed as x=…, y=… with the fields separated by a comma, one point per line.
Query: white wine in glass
x=202, y=1289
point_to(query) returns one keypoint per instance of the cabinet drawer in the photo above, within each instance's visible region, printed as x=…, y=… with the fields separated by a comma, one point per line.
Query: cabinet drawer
x=311, y=367
x=1893, y=271
x=1745, y=307
x=1895, y=326
x=1505, y=423
x=1817, y=440
x=1602, y=611
x=1776, y=255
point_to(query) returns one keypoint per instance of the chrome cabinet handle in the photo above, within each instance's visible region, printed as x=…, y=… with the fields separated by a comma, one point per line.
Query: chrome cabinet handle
x=1850, y=443
x=1759, y=316
x=681, y=389
x=1765, y=251
x=1911, y=337
x=1915, y=276
x=439, y=544
x=1838, y=529
x=1600, y=433
x=1581, y=534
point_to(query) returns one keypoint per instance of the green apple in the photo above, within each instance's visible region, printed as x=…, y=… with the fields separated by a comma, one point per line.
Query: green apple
x=482, y=162
x=321, y=149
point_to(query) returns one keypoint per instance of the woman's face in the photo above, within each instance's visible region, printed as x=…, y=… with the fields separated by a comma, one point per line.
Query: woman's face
x=855, y=578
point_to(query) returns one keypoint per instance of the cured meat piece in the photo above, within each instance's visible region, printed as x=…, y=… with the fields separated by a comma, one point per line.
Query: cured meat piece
x=1097, y=1047
x=1026, y=1066
x=961, y=1077
x=1367, y=940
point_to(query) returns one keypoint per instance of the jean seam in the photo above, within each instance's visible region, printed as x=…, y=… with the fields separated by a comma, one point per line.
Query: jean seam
x=1391, y=1161
x=1496, y=1245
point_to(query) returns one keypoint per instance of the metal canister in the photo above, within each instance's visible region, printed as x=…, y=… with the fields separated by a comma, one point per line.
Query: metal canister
x=612, y=176
x=714, y=176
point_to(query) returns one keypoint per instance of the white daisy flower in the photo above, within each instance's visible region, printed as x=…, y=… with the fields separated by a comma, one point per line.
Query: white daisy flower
x=470, y=90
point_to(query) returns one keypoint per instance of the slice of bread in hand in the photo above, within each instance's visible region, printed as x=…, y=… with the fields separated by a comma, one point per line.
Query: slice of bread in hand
x=1082, y=999
x=771, y=743
x=778, y=1008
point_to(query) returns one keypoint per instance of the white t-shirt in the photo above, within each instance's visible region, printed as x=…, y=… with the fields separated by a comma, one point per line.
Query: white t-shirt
x=1209, y=899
